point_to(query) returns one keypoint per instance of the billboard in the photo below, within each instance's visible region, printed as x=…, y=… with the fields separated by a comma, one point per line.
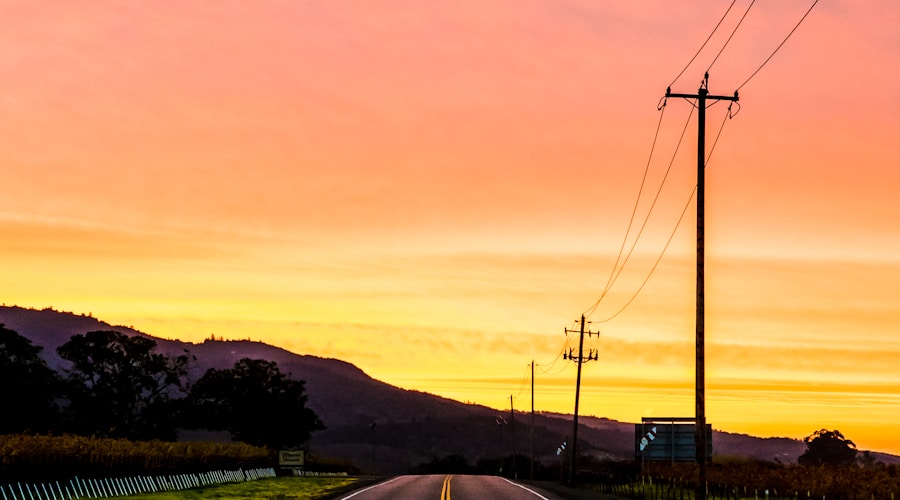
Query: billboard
x=668, y=440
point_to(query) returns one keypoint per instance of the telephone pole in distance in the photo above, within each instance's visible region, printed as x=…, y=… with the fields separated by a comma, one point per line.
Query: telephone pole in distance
x=531, y=472
x=580, y=360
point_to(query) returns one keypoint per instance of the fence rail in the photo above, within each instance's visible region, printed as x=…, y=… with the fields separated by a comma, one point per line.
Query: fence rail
x=77, y=488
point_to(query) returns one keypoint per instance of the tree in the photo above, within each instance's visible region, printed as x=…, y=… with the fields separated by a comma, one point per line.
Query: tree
x=256, y=403
x=825, y=447
x=30, y=387
x=119, y=387
x=867, y=460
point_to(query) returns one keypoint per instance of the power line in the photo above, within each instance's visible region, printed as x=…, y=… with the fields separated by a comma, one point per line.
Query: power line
x=658, y=259
x=675, y=229
x=618, y=272
x=727, y=117
x=704, y=43
x=620, y=263
x=616, y=269
x=729, y=37
x=559, y=356
x=779, y=45
x=555, y=373
x=662, y=109
x=613, y=273
x=550, y=369
x=524, y=381
x=655, y=199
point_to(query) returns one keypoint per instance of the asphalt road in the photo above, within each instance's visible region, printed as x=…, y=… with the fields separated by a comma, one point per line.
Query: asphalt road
x=449, y=487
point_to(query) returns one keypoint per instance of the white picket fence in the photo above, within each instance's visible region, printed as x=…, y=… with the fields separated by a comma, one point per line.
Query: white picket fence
x=119, y=487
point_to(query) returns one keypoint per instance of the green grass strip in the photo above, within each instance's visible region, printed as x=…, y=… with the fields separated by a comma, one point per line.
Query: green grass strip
x=279, y=488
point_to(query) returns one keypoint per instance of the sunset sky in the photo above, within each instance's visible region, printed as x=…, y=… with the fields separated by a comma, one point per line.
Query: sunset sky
x=434, y=191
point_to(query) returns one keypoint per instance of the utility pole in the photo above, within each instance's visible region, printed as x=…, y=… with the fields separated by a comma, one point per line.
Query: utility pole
x=702, y=96
x=531, y=473
x=512, y=429
x=580, y=360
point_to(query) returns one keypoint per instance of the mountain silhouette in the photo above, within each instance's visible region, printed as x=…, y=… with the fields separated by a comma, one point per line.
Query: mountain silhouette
x=387, y=429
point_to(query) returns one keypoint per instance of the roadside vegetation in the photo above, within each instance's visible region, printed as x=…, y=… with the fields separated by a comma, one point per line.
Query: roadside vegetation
x=281, y=488
x=118, y=386
x=117, y=405
x=830, y=469
x=755, y=480
x=40, y=458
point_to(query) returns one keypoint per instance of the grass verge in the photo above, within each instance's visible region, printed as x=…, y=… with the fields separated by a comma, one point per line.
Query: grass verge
x=279, y=488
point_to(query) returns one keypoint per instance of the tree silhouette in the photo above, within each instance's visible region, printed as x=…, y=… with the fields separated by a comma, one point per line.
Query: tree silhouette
x=256, y=403
x=825, y=447
x=29, y=388
x=119, y=387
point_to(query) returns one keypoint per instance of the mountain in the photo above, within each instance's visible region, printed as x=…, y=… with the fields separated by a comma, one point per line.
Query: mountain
x=384, y=428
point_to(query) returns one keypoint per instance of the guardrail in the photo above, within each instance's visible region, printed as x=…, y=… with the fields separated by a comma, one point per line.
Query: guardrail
x=125, y=486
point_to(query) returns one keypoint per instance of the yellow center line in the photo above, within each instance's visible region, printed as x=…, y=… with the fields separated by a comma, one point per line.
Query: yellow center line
x=445, y=490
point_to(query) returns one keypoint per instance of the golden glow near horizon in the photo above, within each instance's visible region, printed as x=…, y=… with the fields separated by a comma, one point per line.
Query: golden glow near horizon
x=433, y=193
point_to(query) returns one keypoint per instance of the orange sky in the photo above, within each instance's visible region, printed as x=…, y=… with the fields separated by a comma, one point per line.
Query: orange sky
x=433, y=191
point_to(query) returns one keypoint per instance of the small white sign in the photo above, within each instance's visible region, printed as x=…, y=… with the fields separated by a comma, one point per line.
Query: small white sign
x=291, y=458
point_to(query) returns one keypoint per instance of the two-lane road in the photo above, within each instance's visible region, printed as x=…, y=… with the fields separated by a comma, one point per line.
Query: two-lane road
x=450, y=487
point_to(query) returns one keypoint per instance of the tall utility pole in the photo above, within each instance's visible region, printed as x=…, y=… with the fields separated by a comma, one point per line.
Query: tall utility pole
x=702, y=96
x=531, y=473
x=580, y=360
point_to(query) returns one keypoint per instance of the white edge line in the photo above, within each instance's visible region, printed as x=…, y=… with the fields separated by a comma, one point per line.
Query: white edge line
x=373, y=486
x=526, y=489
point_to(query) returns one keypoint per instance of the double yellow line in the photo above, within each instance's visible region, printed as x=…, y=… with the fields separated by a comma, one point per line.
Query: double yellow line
x=445, y=490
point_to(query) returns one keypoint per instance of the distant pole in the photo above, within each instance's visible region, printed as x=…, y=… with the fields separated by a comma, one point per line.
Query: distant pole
x=577, y=394
x=531, y=473
x=372, y=426
x=702, y=96
x=512, y=430
x=580, y=360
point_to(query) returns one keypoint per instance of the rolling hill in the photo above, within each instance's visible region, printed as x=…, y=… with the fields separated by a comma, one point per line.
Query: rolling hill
x=388, y=429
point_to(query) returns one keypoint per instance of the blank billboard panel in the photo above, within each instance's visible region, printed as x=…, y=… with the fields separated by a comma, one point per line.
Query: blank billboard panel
x=668, y=440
